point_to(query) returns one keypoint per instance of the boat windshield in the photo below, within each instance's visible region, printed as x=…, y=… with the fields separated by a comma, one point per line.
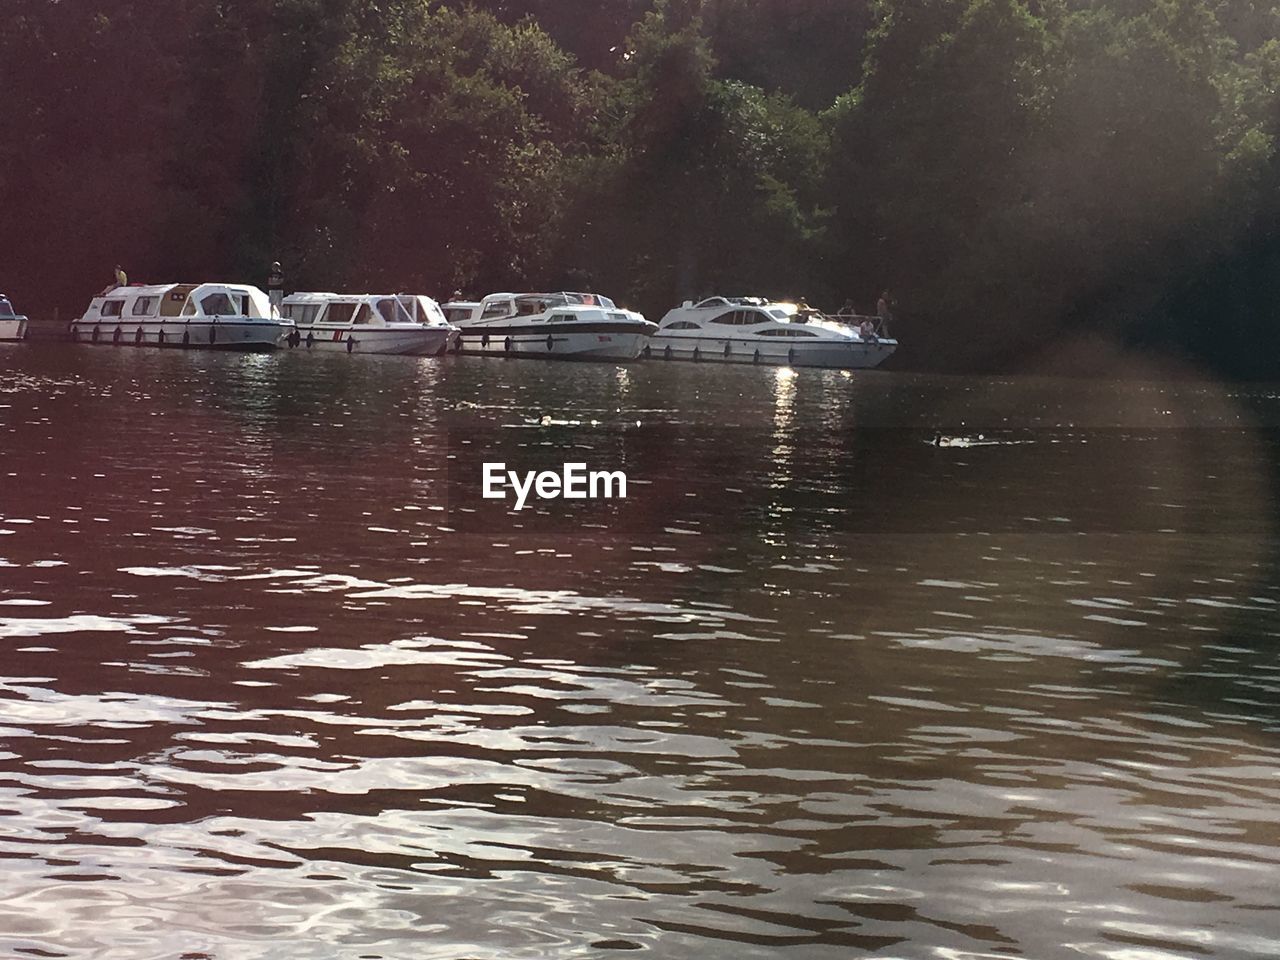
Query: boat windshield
x=423, y=309
x=217, y=305
x=392, y=311
x=589, y=300
x=6, y=308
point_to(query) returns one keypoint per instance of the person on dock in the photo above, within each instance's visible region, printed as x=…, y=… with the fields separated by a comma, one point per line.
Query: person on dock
x=275, y=285
x=884, y=310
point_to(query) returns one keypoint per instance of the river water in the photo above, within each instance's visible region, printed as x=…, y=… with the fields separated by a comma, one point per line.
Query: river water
x=866, y=664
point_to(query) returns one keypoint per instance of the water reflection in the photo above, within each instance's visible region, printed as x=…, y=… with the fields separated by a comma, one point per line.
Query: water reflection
x=255, y=691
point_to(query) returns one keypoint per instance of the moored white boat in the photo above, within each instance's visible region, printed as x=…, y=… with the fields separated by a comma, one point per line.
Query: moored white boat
x=225, y=316
x=13, y=325
x=755, y=330
x=368, y=323
x=557, y=326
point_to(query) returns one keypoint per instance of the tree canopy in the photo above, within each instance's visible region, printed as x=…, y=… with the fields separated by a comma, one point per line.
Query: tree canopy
x=1011, y=169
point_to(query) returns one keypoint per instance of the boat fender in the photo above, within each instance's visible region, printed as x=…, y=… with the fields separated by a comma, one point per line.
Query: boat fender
x=666, y=352
x=697, y=354
x=484, y=340
x=506, y=344
x=648, y=352
x=726, y=348
x=160, y=336
x=351, y=344
x=213, y=333
x=95, y=334
x=791, y=355
x=311, y=338
x=755, y=357
x=186, y=338
x=116, y=334
x=550, y=341
x=457, y=344
x=137, y=335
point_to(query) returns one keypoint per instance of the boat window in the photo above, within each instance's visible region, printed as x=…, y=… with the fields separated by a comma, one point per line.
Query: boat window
x=683, y=325
x=245, y=304
x=6, y=308
x=499, y=308
x=217, y=305
x=189, y=308
x=145, y=306
x=364, y=314
x=112, y=308
x=454, y=314
x=340, y=312
x=780, y=314
x=726, y=318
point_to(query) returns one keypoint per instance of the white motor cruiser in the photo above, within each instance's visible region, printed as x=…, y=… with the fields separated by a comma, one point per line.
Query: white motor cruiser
x=755, y=330
x=574, y=326
x=225, y=316
x=13, y=325
x=368, y=323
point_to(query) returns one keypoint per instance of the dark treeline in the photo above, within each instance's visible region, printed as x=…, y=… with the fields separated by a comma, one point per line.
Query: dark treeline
x=1015, y=171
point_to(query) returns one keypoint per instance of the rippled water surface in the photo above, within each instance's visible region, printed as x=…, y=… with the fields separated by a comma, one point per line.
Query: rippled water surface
x=865, y=665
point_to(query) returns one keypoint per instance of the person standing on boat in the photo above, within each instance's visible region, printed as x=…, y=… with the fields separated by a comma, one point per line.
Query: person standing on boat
x=275, y=286
x=122, y=278
x=884, y=312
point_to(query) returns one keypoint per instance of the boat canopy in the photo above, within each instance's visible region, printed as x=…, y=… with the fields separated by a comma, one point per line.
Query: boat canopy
x=730, y=302
x=518, y=304
x=361, y=308
x=6, y=309
x=183, y=300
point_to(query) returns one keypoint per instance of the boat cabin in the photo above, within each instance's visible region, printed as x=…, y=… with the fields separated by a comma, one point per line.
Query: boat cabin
x=498, y=306
x=333, y=309
x=6, y=310
x=179, y=301
x=460, y=311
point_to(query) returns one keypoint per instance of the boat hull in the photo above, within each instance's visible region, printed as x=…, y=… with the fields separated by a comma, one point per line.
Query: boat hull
x=13, y=329
x=784, y=352
x=559, y=344
x=239, y=333
x=417, y=341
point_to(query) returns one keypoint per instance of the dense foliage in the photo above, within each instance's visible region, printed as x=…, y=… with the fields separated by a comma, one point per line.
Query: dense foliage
x=1015, y=170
